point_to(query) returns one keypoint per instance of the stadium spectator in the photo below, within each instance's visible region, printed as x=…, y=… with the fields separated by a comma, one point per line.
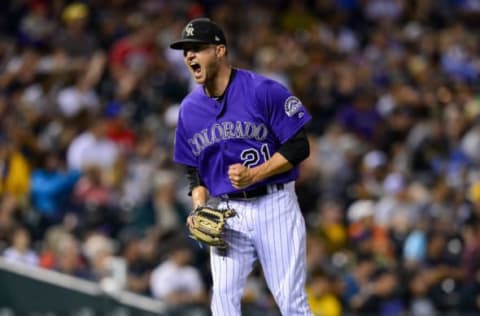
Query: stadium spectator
x=51, y=186
x=74, y=38
x=175, y=280
x=138, y=266
x=20, y=251
x=163, y=210
x=15, y=171
x=321, y=297
x=68, y=258
x=93, y=148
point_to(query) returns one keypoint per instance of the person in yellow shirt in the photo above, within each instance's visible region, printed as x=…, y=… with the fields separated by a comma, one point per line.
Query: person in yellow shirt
x=321, y=297
x=14, y=172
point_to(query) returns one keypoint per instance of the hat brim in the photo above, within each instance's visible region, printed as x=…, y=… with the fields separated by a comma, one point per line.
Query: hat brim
x=181, y=44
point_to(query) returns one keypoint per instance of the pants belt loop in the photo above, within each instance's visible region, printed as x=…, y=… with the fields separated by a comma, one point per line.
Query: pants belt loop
x=275, y=187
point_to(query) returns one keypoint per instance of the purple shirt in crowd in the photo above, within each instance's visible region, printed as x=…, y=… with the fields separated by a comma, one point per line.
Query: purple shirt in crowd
x=247, y=125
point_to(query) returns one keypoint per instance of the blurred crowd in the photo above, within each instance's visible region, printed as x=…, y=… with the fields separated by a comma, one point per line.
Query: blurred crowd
x=89, y=96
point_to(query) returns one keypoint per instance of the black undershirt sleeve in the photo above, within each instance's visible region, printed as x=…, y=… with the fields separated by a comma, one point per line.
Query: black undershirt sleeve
x=193, y=179
x=296, y=149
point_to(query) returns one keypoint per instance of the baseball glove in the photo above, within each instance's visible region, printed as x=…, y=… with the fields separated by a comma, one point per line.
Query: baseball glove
x=208, y=225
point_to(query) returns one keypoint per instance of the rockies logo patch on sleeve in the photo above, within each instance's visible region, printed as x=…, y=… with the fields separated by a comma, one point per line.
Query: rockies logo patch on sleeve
x=292, y=105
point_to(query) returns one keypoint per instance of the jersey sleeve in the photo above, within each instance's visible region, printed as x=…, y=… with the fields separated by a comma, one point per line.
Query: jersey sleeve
x=182, y=152
x=284, y=112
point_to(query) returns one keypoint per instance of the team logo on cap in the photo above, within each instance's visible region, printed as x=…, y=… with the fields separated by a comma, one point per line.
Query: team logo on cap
x=189, y=30
x=292, y=105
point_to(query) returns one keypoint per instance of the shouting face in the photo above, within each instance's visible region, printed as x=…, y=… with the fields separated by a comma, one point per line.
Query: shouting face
x=203, y=60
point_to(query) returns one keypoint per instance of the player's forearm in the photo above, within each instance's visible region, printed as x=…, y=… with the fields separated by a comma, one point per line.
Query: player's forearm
x=242, y=177
x=199, y=196
x=275, y=165
x=291, y=153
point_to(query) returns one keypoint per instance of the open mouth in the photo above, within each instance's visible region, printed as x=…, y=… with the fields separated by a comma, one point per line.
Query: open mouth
x=195, y=67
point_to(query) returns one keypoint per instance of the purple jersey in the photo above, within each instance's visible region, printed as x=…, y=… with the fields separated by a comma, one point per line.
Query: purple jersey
x=248, y=125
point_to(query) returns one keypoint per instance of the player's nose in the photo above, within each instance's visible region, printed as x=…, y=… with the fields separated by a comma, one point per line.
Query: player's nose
x=189, y=53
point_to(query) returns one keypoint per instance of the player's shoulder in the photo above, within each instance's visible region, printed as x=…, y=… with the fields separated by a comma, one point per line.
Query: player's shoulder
x=252, y=76
x=256, y=80
x=192, y=97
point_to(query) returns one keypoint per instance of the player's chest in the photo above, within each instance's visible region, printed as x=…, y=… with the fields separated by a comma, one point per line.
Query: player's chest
x=227, y=117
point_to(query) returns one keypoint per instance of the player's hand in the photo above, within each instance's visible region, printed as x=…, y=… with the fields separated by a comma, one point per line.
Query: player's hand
x=189, y=221
x=240, y=176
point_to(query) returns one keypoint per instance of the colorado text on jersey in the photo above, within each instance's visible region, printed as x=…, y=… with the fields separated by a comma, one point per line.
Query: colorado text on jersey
x=226, y=130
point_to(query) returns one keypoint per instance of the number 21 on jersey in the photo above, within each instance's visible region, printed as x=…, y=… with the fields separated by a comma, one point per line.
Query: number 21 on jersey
x=251, y=156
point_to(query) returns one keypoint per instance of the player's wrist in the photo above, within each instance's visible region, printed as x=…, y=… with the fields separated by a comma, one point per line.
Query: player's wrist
x=198, y=205
x=256, y=173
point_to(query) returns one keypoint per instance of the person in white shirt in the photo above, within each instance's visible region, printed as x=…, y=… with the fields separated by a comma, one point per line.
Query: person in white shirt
x=19, y=251
x=175, y=281
x=93, y=148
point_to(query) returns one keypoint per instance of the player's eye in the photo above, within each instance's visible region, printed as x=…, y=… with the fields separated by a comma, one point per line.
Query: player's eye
x=194, y=48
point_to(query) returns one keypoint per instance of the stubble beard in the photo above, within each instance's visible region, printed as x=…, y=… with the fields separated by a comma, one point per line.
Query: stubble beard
x=211, y=75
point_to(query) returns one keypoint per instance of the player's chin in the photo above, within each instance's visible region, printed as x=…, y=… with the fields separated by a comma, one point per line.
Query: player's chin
x=199, y=80
x=198, y=76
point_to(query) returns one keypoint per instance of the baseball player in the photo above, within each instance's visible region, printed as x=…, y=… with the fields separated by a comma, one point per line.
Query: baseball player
x=242, y=137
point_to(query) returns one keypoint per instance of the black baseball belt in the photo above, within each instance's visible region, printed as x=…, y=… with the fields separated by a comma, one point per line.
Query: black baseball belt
x=255, y=193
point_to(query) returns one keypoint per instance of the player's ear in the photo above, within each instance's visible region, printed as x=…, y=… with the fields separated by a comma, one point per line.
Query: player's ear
x=221, y=50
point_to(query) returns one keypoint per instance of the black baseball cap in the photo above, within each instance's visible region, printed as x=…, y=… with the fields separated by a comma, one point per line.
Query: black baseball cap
x=201, y=31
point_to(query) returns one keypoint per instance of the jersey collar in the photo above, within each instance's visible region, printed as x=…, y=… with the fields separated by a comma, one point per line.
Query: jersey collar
x=222, y=96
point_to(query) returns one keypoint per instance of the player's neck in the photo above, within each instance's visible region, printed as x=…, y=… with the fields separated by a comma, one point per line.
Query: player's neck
x=217, y=86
